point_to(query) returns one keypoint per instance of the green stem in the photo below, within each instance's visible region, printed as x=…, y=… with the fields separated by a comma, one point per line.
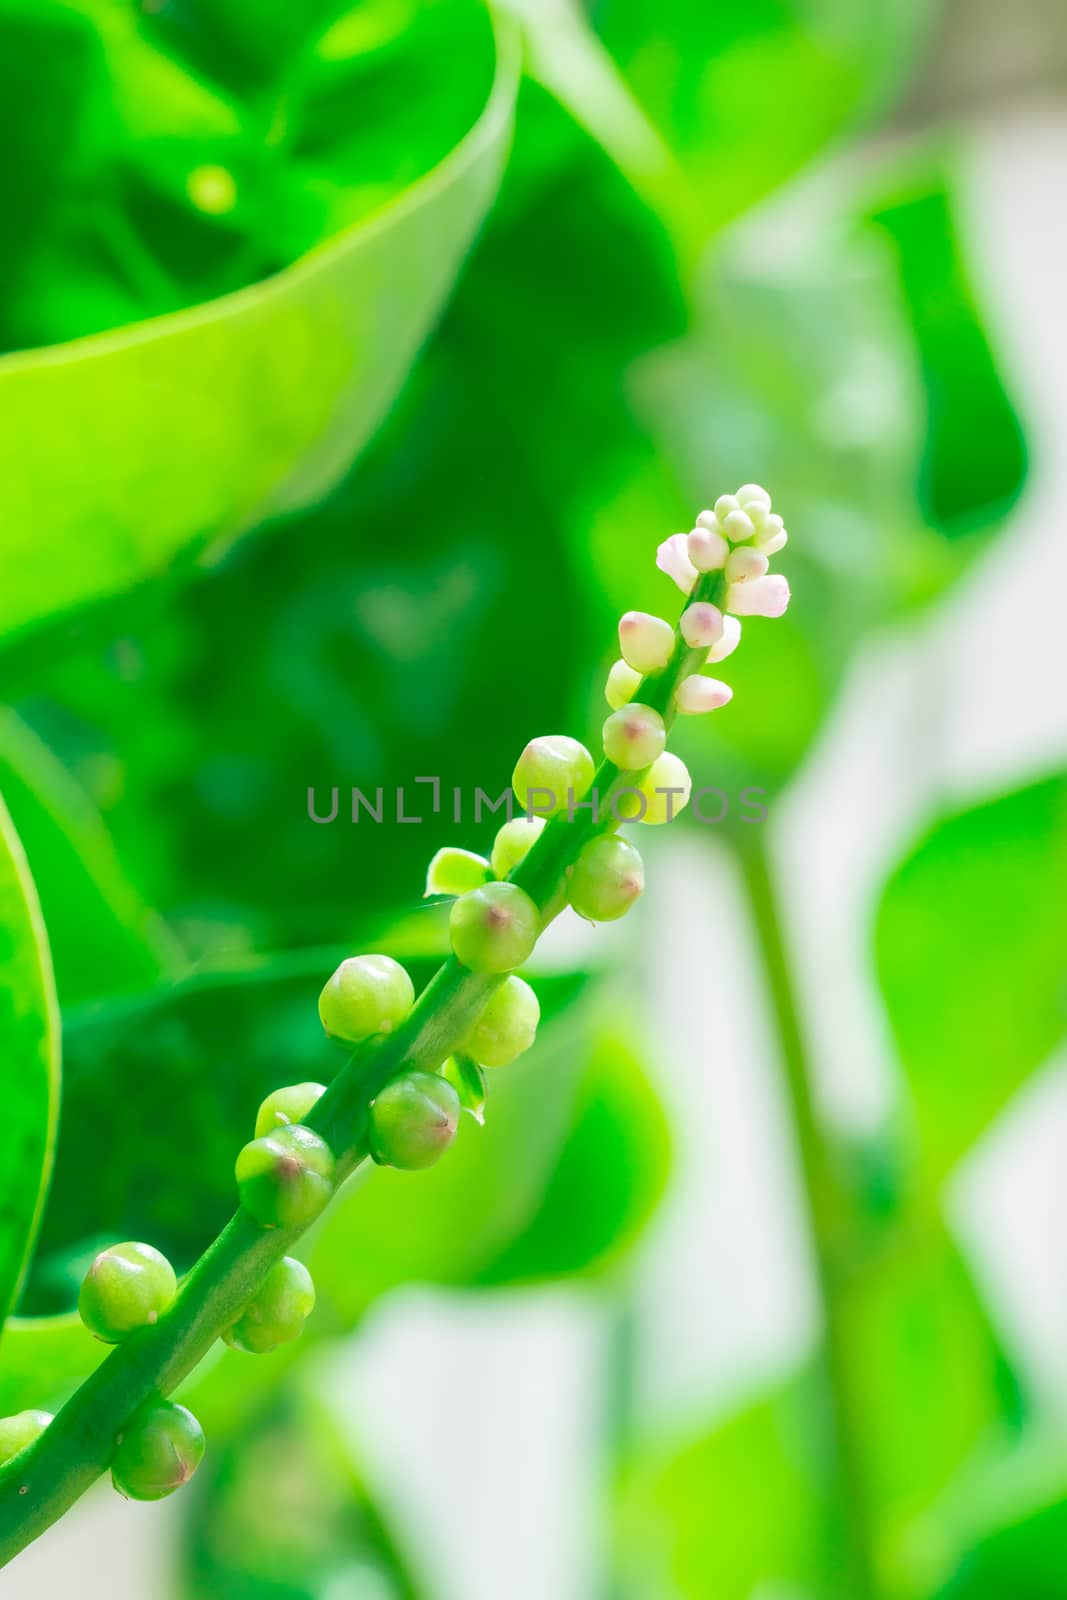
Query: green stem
x=856, y=1569
x=45, y=1480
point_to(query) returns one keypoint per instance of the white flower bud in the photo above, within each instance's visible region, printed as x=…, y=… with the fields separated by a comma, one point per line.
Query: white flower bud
x=745, y=563
x=621, y=685
x=725, y=504
x=701, y=625
x=739, y=527
x=708, y=549
x=672, y=557
x=647, y=642
x=771, y=537
x=750, y=494
x=696, y=695
x=708, y=519
x=761, y=597
x=731, y=638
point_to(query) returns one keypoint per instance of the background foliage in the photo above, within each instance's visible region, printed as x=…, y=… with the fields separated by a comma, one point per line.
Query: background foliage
x=356, y=356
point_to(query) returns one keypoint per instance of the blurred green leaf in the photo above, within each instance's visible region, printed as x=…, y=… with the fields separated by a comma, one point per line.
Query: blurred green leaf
x=745, y=1510
x=960, y=488
x=29, y=1062
x=609, y=1175
x=43, y=1359
x=1023, y=1559
x=243, y=407
x=929, y=1387
x=745, y=92
x=971, y=958
x=283, y=1513
x=103, y=939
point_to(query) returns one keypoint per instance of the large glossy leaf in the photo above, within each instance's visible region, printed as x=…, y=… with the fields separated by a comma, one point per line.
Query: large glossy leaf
x=381, y=656
x=103, y=939
x=247, y=405
x=29, y=1062
x=971, y=958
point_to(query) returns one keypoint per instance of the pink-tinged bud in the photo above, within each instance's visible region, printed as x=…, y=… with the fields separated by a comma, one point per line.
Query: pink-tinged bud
x=672, y=557
x=762, y=597
x=708, y=549
x=696, y=695
x=634, y=737
x=701, y=625
x=745, y=563
x=731, y=638
x=725, y=504
x=739, y=527
x=750, y=494
x=647, y=642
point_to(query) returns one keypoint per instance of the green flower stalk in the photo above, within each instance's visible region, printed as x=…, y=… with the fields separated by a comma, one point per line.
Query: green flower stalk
x=398, y=1098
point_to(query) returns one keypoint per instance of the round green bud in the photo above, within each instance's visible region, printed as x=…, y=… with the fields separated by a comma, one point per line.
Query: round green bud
x=413, y=1121
x=366, y=995
x=513, y=841
x=507, y=1025
x=127, y=1286
x=285, y=1106
x=157, y=1451
x=494, y=928
x=634, y=737
x=285, y=1178
x=552, y=773
x=665, y=791
x=277, y=1311
x=21, y=1430
x=606, y=879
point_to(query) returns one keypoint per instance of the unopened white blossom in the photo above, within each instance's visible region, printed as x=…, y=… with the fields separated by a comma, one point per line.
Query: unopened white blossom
x=746, y=563
x=751, y=494
x=708, y=549
x=724, y=505
x=760, y=597
x=696, y=695
x=731, y=638
x=701, y=625
x=672, y=557
x=771, y=536
x=739, y=527
x=647, y=642
x=621, y=685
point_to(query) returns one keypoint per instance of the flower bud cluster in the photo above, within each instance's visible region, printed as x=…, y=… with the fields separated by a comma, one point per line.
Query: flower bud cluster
x=735, y=539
